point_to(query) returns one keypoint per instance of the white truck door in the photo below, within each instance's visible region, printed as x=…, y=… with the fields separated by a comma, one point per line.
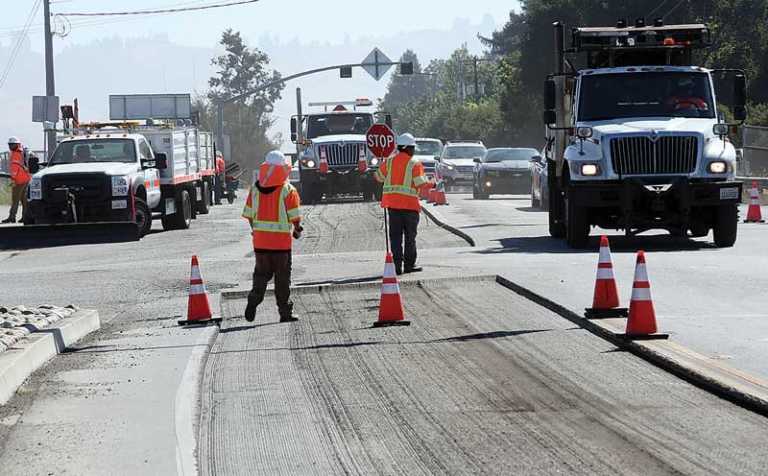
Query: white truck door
x=151, y=176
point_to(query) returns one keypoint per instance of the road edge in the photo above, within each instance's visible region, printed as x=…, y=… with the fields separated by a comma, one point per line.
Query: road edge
x=742, y=389
x=30, y=354
x=452, y=229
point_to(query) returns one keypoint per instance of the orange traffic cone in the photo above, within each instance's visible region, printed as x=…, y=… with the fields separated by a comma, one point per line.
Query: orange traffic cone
x=440, y=198
x=391, y=306
x=323, y=167
x=642, y=317
x=754, y=215
x=432, y=195
x=605, y=302
x=424, y=192
x=362, y=161
x=198, y=309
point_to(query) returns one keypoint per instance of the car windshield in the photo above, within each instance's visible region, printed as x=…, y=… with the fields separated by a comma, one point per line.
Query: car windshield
x=517, y=157
x=667, y=94
x=331, y=124
x=95, y=150
x=464, y=152
x=428, y=147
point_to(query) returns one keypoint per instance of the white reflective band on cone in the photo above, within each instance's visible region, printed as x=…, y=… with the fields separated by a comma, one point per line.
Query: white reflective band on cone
x=197, y=289
x=641, y=294
x=390, y=289
x=389, y=270
x=641, y=274
x=605, y=255
x=196, y=273
x=604, y=273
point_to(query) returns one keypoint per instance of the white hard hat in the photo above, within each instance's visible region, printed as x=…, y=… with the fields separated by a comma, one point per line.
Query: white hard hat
x=406, y=140
x=14, y=140
x=276, y=158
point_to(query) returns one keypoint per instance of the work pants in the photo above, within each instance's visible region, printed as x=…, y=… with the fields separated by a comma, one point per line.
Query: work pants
x=18, y=196
x=218, y=189
x=275, y=264
x=403, y=224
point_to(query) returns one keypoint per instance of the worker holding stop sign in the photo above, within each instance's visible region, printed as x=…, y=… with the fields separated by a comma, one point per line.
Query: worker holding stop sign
x=402, y=177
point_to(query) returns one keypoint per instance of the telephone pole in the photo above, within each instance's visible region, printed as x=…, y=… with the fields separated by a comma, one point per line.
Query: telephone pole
x=50, y=83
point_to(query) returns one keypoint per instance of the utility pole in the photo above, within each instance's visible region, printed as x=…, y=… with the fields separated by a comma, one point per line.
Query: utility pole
x=50, y=82
x=477, y=82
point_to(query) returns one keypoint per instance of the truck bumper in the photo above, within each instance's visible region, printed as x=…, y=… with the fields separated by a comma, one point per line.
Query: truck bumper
x=339, y=182
x=49, y=213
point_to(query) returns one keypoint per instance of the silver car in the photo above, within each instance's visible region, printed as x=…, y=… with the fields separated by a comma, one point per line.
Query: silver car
x=457, y=162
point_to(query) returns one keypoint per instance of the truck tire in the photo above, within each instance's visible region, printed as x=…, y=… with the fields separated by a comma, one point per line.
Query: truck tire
x=143, y=217
x=182, y=219
x=204, y=205
x=556, y=222
x=577, y=225
x=726, y=226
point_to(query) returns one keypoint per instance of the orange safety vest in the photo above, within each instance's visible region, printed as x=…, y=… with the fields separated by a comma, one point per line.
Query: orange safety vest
x=271, y=215
x=220, y=168
x=402, y=176
x=18, y=169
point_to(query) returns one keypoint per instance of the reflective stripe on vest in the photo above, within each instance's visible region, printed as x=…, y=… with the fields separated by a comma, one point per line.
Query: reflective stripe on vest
x=283, y=225
x=408, y=190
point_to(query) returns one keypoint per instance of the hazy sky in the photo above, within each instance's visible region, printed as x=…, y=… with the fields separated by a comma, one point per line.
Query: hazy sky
x=176, y=48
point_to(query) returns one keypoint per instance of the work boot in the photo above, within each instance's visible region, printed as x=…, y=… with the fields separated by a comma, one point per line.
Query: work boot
x=398, y=269
x=289, y=318
x=413, y=269
x=250, y=312
x=9, y=220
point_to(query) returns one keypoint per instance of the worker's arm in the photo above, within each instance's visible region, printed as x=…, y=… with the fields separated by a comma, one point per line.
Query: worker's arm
x=381, y=173
x=248, y=212
x=293, y=210
x=419, y=179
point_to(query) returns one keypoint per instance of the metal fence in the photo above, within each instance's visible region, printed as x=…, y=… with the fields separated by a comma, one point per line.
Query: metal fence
x=754, y=162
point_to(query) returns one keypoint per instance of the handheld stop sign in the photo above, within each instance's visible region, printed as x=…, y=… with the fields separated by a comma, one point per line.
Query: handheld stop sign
x=380, y=140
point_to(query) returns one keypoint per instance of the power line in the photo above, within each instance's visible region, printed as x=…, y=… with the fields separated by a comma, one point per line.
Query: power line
x=659, y=7
x=19, y=42
x=158, y=12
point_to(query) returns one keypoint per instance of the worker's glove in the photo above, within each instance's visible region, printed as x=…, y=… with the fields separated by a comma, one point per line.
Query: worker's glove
x=297, y=231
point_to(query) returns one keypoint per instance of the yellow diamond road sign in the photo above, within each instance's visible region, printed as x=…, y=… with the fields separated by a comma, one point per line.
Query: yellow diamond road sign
x=377, y=64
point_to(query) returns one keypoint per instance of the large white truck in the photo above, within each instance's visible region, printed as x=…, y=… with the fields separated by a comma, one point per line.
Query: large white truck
x=637, y=138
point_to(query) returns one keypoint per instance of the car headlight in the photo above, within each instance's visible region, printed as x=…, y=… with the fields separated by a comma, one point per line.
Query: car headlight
x=718, y=167
x=448, y=166
x=36, y=189
x=120, y=186
x=590, y=170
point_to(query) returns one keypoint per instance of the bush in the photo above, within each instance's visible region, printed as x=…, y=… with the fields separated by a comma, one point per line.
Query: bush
x=5, y=191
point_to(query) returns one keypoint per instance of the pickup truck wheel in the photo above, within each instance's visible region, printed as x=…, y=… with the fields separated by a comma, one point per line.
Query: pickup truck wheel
x=577, y=225
x=143, y=217
x=726, y=226
x=203, y=206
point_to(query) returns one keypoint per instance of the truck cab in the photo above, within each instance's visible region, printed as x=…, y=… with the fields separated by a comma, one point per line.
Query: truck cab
x=636, y=140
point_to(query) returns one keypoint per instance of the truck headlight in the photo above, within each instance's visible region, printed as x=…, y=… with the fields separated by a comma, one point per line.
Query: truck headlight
x=310, y=164
x=119, y=186
x=718, y=167
x=374, y=161
x=590, y=170
x=36, y=189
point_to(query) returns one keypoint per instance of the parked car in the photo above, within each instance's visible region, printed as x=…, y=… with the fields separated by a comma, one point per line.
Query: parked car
x=428, y=152
x=503, y=171
x=539, y=187
x=457, y=165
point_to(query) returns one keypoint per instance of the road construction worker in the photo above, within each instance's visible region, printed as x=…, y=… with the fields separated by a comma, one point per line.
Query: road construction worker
x=272, y=209
x=20, y=177
x=221, y=170
x=402, y=176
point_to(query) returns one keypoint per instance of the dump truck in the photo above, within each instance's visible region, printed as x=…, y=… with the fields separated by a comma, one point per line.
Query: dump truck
x=637, y=138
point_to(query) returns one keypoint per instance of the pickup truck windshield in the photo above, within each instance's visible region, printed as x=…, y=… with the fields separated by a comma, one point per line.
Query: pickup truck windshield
x=332, y=124
x=646, y=94
x=96, y=150
x=428, y=147
x=464, y=152
x=523, y=156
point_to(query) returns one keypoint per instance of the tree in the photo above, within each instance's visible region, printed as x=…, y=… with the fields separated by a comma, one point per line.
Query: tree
x=403, y=90
x=240, y=70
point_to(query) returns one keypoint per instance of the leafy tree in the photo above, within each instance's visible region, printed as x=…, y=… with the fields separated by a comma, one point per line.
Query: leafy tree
x=403, y=90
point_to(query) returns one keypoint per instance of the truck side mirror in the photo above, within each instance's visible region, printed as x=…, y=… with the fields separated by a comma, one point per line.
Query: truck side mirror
x=477, y=160
x=550, y=95
x=740, y=98
x=161, y=161
x=388, y=120
x=550, y=117
x=294, y=130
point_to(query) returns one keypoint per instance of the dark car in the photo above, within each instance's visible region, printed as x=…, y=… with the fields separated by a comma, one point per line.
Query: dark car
x=503, y=171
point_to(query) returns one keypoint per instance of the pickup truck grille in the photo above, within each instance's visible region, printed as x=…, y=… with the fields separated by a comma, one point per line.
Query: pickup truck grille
x=84, y=186
x=342, y=155
x=640, y=155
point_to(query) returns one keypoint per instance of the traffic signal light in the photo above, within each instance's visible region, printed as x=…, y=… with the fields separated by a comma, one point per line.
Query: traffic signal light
x=406, y=68
x=346, y=71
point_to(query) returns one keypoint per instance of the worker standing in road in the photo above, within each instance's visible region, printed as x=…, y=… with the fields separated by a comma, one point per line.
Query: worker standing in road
x=402, y=176
x=272, y=209
x=221, y=171
x=20, y=177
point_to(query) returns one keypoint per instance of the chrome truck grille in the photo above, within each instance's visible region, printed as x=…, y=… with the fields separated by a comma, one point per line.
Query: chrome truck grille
x=342, y=154
x=642, y=155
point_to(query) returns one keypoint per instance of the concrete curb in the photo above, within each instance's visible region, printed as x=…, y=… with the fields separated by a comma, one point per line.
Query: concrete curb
x=442, y=224
x=20, y=361
x=726, y=382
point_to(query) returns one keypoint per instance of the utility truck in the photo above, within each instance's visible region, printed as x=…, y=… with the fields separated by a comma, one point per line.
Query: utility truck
x=333, y=157
x=636, y=136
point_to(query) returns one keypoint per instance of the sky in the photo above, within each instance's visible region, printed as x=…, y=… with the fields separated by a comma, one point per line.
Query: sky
x=297, y=34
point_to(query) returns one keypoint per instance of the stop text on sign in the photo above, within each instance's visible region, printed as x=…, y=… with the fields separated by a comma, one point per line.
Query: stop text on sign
x=380, y=140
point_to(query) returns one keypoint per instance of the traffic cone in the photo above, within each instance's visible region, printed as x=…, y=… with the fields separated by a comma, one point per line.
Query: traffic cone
x=754, y=215
x=198, y=308
x=432, y=195
x=362, y=161
x=440, y=198
x=391, y=306
x=424, y=192
x=323, y=167
x=642, y=317
x=605, y=302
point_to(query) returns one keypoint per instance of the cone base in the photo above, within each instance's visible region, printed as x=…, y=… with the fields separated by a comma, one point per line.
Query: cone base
x=592, y=313
x=201, y=322
x=391, y=323
x=656, y=336
x=753, y=221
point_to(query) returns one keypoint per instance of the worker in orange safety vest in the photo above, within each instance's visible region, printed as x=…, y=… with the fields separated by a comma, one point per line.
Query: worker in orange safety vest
x=403, y=176
x=20, y=177
x=218, y=188
x=272, y=209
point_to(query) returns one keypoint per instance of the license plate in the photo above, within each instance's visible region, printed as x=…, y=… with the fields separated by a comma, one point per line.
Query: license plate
x=730, y=193
x=119, y=204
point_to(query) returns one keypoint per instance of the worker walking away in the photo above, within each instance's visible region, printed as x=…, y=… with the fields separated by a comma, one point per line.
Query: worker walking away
x=20, y=177
x=403, y=176
x=272, y=209
x=221, y=169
